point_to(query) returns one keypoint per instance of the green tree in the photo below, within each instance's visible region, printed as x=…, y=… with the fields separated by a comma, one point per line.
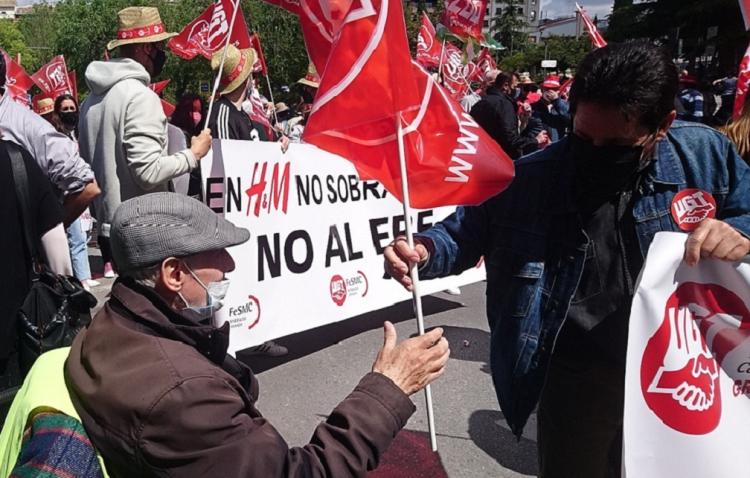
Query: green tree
x=568, y=51
x=13, y=42
x=509, y=28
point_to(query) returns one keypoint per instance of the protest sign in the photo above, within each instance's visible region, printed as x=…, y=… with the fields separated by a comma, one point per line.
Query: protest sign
x=317, y=238
x=687, y=386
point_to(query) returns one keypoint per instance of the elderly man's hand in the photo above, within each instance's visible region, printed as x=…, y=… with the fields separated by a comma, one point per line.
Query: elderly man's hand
x=284, y=141
x=398, y=255
x=716, y=240
x=415, y=362
x=201, y=144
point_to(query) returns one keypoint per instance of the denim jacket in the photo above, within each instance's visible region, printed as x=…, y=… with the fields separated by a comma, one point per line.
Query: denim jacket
x=534, y=246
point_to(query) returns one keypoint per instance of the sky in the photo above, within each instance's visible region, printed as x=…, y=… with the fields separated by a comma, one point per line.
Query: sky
x=566, y=8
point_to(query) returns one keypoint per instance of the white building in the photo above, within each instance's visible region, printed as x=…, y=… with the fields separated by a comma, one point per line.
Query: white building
x=7, y=9
x=528, y=9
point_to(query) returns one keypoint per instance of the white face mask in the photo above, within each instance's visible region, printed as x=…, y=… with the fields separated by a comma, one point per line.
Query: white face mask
x=215, y=294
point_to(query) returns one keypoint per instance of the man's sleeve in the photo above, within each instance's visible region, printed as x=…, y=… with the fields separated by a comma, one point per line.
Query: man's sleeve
x=508, y=126
x=58, y=156
x=736, y=210
x=455, y=243
x=559, y=116
x=145, y=139
x=203, y=428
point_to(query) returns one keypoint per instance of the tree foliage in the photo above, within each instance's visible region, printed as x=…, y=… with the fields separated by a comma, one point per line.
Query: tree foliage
x=568, y=51
x=12, y=41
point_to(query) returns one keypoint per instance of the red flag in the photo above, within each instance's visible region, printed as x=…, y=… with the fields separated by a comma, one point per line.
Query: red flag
x=453, y=71
x=565, y=87
x=428, y=47
x=52, y=78
x=159, y=86
x=257, y=113
x=17, y=81
x=486, y=63
x=465, y=17
x=596, y=37
x=73, y=79
x=743, y=83
x=745, y=8
x=208, y=33
x=260, y=61
x=167, y=107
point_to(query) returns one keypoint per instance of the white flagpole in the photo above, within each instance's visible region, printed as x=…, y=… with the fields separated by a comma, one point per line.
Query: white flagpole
x=413, y=272
x=223, y=57
x=270, y=94
x=440, y=63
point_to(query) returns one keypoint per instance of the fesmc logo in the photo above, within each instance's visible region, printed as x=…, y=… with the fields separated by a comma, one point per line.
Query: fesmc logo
x=680, y=366
x=341, y=288
x=247, y=313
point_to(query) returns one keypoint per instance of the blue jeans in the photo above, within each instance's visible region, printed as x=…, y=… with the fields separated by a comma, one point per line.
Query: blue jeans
x=79, y=255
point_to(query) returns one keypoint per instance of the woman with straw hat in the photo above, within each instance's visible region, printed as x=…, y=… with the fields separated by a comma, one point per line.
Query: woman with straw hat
x=123, y=130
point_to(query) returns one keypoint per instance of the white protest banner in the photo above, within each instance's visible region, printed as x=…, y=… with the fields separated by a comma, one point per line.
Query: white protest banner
x=687, y=385
x=317, y=238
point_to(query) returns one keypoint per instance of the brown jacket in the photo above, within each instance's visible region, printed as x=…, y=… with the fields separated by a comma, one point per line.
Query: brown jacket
x=159, y=396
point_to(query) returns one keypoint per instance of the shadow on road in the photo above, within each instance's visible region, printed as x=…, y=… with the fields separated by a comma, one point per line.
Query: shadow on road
x=310, y=341
x=486, y=431
x=468, y=344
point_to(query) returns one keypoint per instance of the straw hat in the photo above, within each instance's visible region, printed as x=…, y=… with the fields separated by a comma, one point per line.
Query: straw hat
x=281, y=107
x=237, y=67
x=311, y=78
x=139, y=25
x=525, y=78
x=43, y=106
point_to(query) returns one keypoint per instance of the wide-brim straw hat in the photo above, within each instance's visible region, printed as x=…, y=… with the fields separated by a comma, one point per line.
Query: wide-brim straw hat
x=237, y=67
x=44, y=106
x=311, y=78
x=139, y=25
x=281, y=107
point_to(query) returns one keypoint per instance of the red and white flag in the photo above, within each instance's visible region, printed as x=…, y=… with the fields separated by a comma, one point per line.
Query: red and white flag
x=53, y=79
x=208, y=33
x=745, y=8
x=257, y=113
x=465, y=17
x=260, y=59
x=596, y=38
x=565, y=87
x=17, y=81
x=486, y=63
x=743, y=84
x=428, y=46
x=453, y=70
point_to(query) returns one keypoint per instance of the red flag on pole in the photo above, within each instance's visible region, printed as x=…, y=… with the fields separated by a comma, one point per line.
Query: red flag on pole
x=73, y=79
x=260, y=60
x=17, y=81
x=159, y=86
x=208, y=33
x=486, y=63
x=596, y=38
x=52, y=78
x=743, y=83
x=257, y=113
x=745, y=8
x=453, y=71
x=465, y=17
x=167, y=107
x=428, y=47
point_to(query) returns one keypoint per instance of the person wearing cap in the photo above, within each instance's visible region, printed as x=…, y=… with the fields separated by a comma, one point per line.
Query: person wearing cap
x=157, y=393
x=228, y=119
x=551, y=110
x=691, y=99
x=123, y=129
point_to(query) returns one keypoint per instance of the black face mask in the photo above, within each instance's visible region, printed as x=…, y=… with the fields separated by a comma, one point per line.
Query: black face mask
x=69, y=119
x=603, y=171
x=158, y=60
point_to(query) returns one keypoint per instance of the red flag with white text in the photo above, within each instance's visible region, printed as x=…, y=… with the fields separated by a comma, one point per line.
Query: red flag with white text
x=596, y=38
x=208, y=33
x=428, y=46
x=486, y=63
x=465, y=17
x=52, y=78
x=17, y=81
x=453, y=70
x=743, y=84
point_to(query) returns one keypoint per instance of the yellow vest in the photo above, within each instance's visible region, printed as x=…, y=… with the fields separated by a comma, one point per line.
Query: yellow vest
x=43, y=390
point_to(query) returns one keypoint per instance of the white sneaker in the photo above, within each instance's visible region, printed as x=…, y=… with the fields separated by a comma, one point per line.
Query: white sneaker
x=453, y=291
x=92, y=282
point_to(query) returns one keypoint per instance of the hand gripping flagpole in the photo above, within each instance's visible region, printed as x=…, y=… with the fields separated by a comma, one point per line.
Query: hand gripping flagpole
x=413, y=271
x=223, y=57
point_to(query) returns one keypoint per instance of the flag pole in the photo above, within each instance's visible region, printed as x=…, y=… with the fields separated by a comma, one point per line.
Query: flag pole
x=440, y=63
x=223, y=57
x=413, y=272
x=270, y=94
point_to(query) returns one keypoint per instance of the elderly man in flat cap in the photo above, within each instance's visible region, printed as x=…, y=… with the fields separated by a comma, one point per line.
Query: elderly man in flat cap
x=123, y=129
x=159, y=396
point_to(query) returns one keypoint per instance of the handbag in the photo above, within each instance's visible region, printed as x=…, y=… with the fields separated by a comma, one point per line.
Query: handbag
x=57, y=307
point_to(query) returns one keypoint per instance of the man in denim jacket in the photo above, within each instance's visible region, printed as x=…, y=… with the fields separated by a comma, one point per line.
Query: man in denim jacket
x=563, y=247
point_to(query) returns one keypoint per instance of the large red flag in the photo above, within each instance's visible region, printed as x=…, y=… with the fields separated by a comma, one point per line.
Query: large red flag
x=53, y=79
x=428, y=46
x=486, y=63
x=453, y=70
x=260, y=59
x=743, y=83
x=73, y=79
x=465, y=17
x=596, y=37
x=208, y=33
x=17, y=81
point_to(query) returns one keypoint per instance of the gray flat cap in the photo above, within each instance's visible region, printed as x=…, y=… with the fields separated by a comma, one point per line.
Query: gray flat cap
x=148, y=229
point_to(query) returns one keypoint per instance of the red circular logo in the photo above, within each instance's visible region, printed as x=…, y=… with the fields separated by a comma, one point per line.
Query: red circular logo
x=338, y=290
x=690, y=207
x=680, y=366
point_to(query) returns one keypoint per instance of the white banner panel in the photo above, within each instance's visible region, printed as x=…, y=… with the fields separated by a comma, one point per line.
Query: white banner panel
x=318, y=234
x=687, y=386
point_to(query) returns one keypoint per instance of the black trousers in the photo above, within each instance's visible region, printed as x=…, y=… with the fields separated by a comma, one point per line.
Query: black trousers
x=579, y=420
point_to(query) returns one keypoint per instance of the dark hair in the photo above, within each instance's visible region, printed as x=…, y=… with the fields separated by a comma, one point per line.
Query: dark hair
x=637, y=77
x=503, y=78
x=182, y=117
x=2, y=73
x=61, y=98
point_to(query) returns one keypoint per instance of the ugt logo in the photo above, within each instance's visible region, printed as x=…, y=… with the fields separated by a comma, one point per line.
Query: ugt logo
x=691, y=206
x=57, y=76
x=703, y=324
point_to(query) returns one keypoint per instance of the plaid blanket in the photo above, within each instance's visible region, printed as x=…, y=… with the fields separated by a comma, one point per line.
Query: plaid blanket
x=56, y=446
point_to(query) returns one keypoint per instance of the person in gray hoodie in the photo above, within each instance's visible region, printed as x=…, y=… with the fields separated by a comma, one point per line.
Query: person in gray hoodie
x=123, y=129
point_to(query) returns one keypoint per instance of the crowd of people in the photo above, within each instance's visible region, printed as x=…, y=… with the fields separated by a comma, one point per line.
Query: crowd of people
x=599, y=156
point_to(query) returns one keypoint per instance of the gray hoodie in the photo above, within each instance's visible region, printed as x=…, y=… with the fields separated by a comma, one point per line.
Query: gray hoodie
x=123, y=135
